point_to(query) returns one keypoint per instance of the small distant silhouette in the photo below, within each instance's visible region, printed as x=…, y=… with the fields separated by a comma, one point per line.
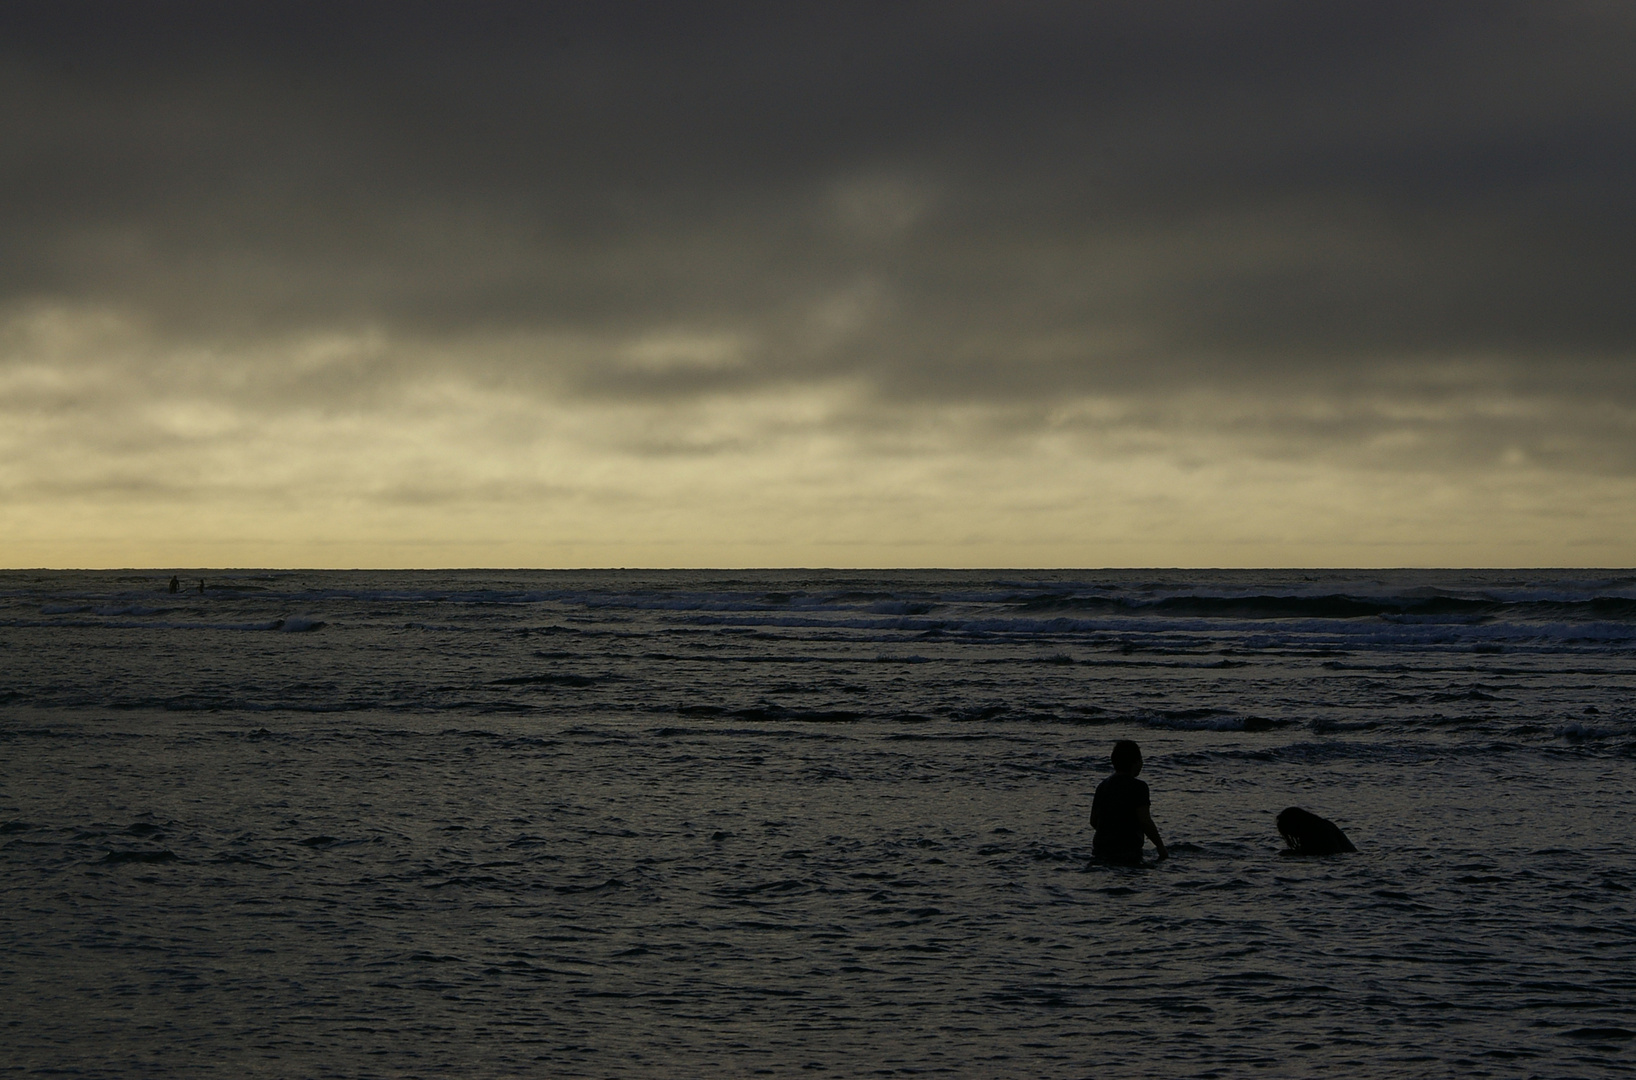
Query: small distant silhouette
x=175, y=585
x=1308, y=834
x=201, y=586
x=1119, y=811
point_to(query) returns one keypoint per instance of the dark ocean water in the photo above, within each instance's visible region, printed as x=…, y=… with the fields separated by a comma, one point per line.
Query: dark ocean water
x=716, y=824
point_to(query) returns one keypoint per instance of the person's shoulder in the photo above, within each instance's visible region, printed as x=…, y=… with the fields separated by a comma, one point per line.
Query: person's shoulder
x=1122, y=787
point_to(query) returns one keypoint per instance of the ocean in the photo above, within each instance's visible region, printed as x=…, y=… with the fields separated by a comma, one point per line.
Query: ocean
x=707, y=824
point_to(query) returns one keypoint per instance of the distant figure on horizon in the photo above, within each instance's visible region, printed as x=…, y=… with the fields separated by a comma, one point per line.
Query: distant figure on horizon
x=1119, y=811
x=201, y=586
x=175, y=584
x=1308, y=834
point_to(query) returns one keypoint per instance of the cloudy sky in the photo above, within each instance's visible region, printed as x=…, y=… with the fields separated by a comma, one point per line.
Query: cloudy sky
x=1017, y=284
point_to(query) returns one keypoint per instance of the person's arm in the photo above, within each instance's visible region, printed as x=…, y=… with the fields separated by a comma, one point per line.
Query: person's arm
x=1151, y=831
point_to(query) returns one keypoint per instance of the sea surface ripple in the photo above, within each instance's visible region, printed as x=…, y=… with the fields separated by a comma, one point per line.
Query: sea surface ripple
x=609, y=824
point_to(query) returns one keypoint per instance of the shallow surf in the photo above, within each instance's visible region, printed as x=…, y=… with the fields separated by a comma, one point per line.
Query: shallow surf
x=694, y=824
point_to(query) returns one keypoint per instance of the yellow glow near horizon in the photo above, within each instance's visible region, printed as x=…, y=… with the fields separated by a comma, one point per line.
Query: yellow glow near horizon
x=118, y=454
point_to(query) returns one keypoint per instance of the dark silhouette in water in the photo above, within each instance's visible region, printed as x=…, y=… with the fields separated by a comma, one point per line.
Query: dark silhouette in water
x=1119, y=811
x=175, y=585
x=201, y=586
x=1308, y=834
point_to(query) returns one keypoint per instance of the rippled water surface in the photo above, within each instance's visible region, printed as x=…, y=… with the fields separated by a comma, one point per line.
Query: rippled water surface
x=694, y=824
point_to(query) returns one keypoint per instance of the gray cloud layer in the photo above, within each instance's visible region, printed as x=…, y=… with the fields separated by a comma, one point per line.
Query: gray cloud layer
x=1379, y=207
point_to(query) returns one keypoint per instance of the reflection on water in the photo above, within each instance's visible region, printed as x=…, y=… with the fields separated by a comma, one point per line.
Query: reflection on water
x=586, y=833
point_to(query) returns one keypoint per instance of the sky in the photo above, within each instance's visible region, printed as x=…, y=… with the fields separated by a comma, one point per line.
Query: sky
x=1004, y=284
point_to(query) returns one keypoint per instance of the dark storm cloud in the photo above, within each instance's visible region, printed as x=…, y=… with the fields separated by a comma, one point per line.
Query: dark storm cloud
x=987, y=201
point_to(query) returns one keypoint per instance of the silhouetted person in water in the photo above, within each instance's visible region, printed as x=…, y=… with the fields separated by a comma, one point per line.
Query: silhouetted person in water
x=1308, y=834
x=175, y=585
x=1119, y=812
x=201, y=586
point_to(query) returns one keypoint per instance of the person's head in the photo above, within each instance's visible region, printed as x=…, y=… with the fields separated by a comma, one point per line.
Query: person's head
x=1127, y=757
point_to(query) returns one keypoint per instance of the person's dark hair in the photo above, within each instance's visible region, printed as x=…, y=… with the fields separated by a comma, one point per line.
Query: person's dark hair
x=1126, y=755
x=1308, y=834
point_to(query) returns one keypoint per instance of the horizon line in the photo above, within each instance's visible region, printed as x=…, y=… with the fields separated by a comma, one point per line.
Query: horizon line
x=795, y=569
